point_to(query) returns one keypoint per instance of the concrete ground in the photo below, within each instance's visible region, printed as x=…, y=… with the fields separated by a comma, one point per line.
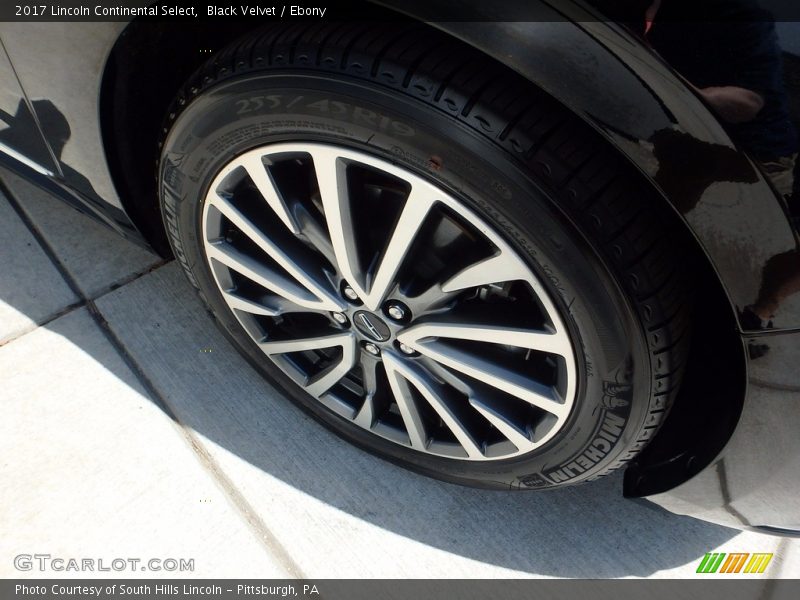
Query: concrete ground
x=130, y=428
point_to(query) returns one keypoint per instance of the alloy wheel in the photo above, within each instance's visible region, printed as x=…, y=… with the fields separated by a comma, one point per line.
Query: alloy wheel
x=389, y=301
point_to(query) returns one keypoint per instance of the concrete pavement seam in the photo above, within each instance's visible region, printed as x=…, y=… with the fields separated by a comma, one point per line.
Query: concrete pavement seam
x=257, y=526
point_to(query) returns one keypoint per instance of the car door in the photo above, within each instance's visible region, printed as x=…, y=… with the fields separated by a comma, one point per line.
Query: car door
x=21, y=141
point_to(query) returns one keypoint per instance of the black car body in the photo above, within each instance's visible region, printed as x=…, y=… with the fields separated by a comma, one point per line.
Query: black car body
x=83, y=106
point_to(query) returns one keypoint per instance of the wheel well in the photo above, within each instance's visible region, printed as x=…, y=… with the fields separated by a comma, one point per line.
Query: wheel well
x=151, y=62
x=710, y=400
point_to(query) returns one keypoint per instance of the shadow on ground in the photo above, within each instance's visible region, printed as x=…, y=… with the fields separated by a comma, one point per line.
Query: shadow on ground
x=585, y=531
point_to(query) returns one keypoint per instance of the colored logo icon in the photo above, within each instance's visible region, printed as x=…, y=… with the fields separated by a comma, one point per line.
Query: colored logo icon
x=734, y=562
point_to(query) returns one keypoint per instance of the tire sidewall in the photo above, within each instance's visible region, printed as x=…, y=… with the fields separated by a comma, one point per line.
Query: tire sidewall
x=611, y=353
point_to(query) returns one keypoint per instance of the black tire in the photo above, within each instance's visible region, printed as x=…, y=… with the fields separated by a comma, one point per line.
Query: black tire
x=596, y=234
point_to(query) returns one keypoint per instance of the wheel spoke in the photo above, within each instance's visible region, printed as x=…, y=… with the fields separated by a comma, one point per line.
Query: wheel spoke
x=249, y=306
x=501, y=268
x=512, y=432
x=422, y=339
x=315, y=285
x=413, y=215
x=366, y=414
x=336, y=204
x=494, y=269
x=272, y=307
x=266, y=277
x=305, y=344
x=316, y=235
x=405, y=402
x=326, y=380
x=431, y=300
x=257, y=172
x=553, y=343
x=322, y=382
x=433, y=394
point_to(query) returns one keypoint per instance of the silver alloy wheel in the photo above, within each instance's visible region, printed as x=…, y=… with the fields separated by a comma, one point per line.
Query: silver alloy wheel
x=473, y=360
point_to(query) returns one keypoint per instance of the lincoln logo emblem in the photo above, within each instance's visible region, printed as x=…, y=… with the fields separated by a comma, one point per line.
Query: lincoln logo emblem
x=372, y=326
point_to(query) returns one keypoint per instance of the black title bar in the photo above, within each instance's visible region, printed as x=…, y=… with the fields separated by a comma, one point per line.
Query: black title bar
x=360, y=10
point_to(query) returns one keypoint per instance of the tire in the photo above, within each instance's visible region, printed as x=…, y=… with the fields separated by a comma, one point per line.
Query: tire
x=516, y=165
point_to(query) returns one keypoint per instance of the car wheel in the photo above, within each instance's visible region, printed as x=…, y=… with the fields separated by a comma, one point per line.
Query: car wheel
x=427, y=253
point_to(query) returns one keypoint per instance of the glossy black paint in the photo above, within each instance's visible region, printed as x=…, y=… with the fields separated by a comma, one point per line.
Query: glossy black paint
x=62, y=67
x=639, y=105
x=607, y=76
x=22, y=136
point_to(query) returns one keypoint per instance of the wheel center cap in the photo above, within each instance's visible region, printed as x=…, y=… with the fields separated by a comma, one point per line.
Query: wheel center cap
x=371, y=326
